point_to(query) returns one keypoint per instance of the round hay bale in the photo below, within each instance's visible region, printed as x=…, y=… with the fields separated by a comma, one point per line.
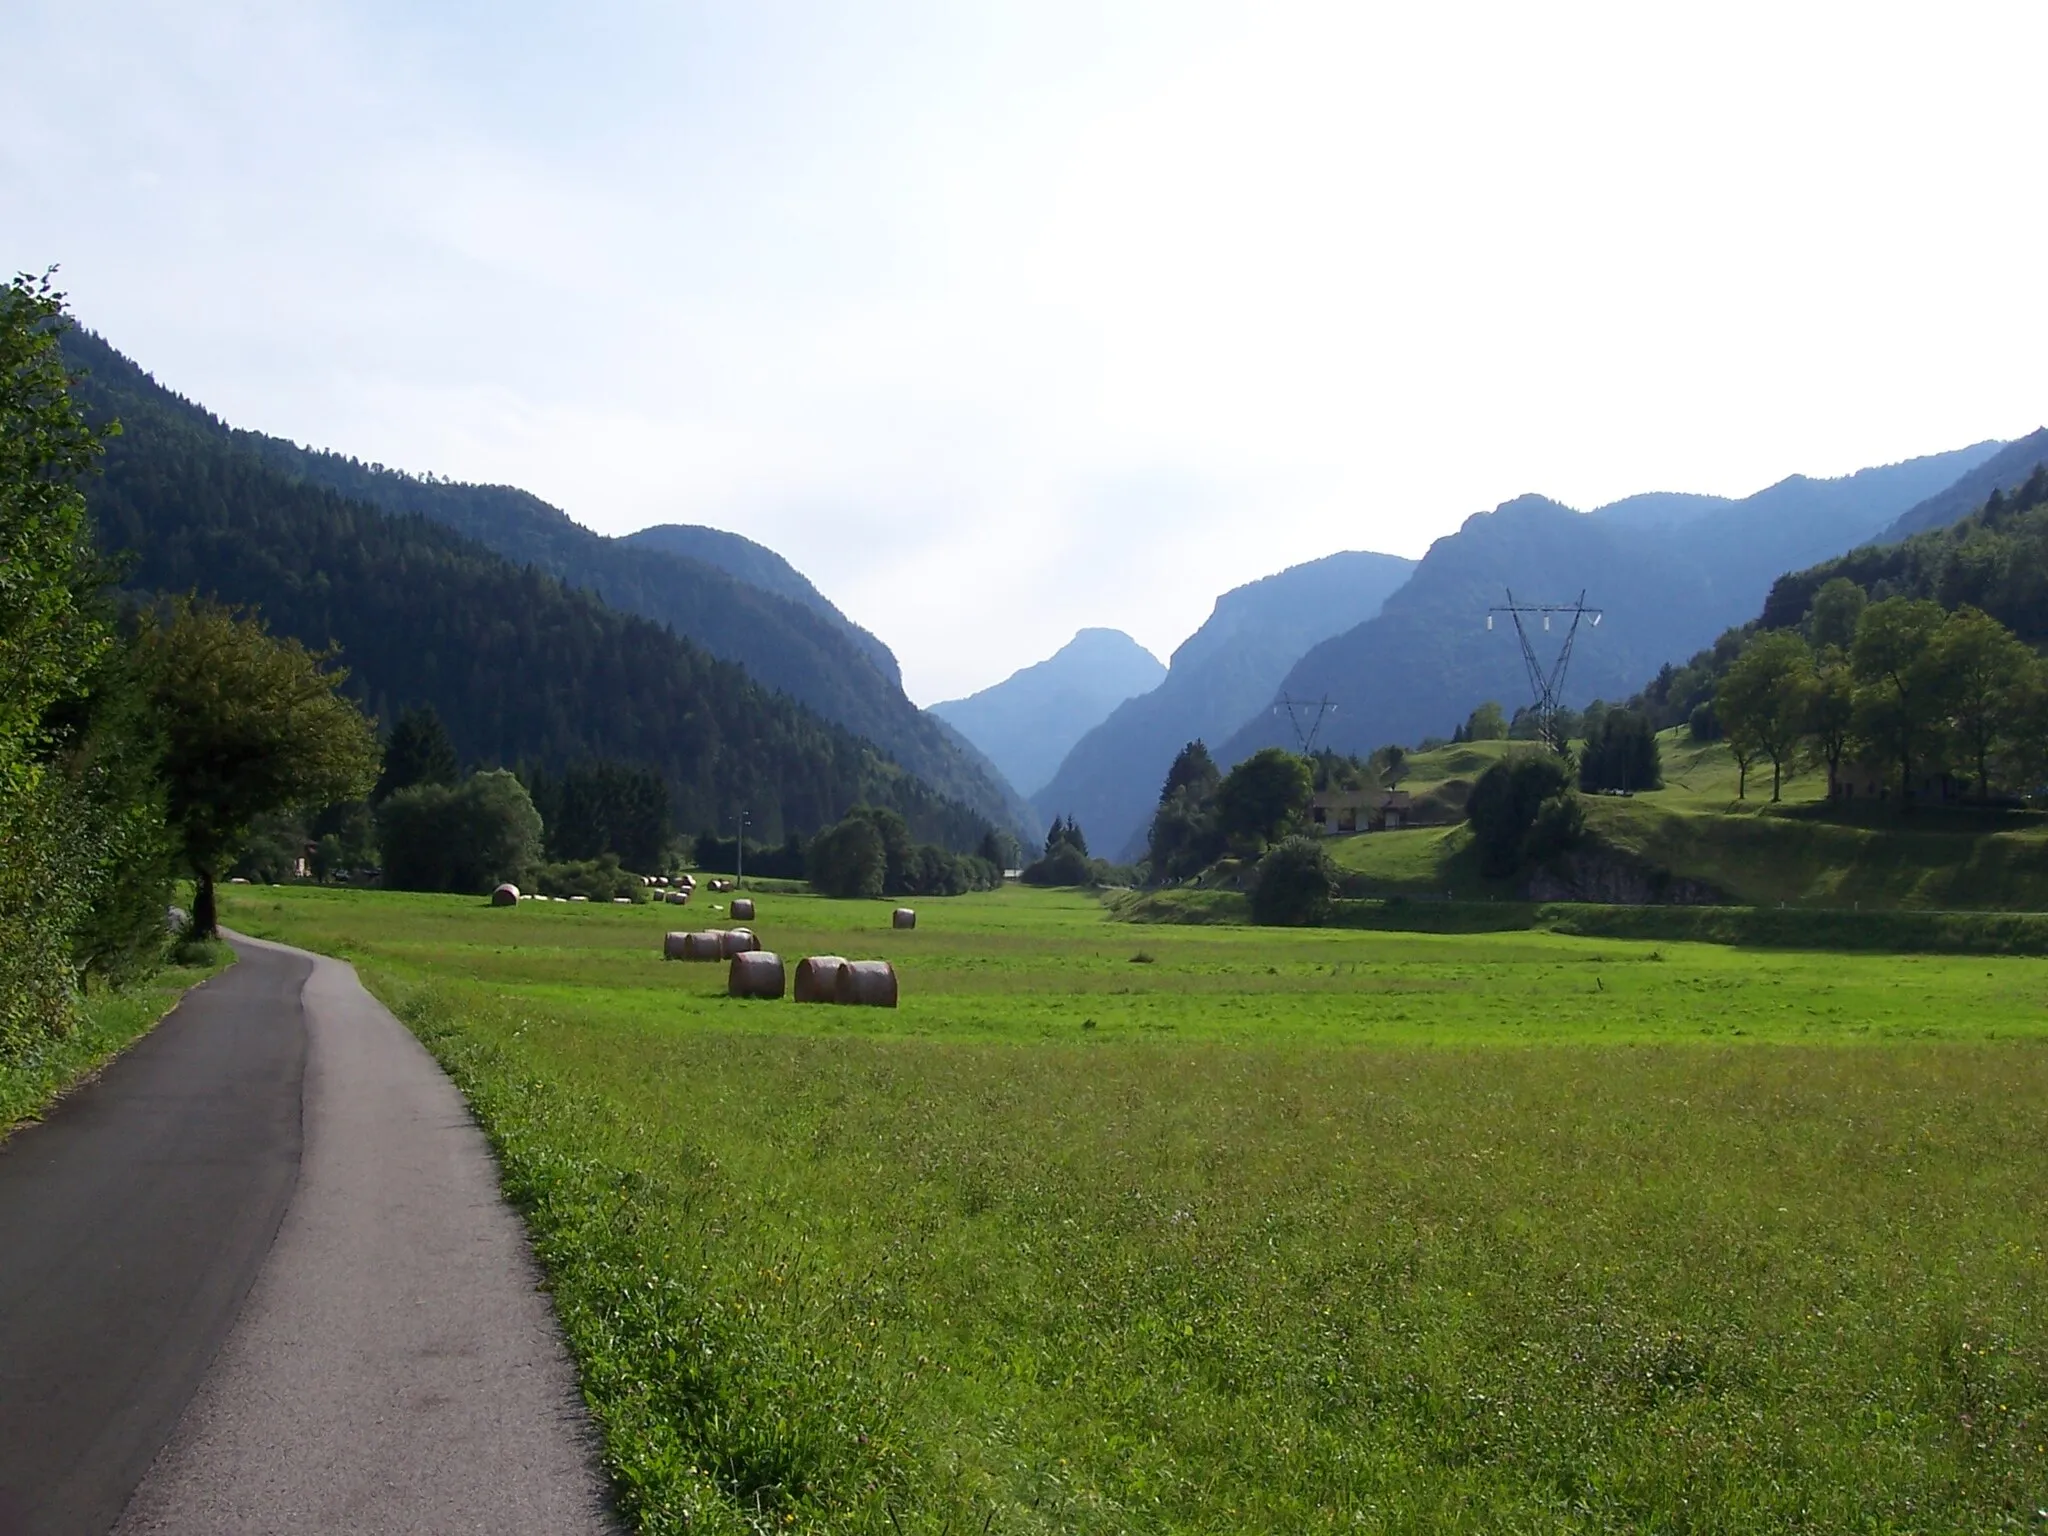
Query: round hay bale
x=756, y=973
x=817, y=978
x=708, y=945
x=675, y=946
x=739, y=940
x=677, y=898
x=687, y=882
x=866, y=983
x=903, y=917
x=743, y=906
x=506, y=895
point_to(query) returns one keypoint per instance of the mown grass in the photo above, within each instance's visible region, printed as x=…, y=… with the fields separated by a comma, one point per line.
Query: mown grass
x=108, y=1023
x=1321, y=1255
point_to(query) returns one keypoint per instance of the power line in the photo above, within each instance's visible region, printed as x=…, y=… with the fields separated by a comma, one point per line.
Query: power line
x=1547, y=685
x=1297, y=709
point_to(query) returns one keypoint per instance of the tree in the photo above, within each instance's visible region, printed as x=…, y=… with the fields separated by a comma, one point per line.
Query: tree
x=1263, y=795
x=419, y=752
x=849, y=859
x=1193, y=771
x=1505, y=806
x=1765, y=701
x=1487, y=723
x=466, y=838
x=1389, y=765
x=1837, y=607
x=1066, y=833
x=1984, y=669
x=250, y=724
x=1622, y=754
x=1901, y=695
x=49, y=636
x=1832, y=711
x=1293, y=884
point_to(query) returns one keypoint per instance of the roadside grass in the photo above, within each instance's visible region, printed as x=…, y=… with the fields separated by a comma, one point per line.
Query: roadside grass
x=108, y=1023
x=1319, y=1256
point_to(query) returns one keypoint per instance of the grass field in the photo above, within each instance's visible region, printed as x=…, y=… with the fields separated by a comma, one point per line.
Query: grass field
x=1126, y=1228
x=1800, y=851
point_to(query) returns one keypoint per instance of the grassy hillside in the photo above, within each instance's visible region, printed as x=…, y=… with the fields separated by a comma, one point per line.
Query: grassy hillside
x=1801, y=851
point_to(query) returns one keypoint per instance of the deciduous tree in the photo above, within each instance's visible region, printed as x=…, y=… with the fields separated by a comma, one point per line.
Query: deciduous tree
x=251, y=724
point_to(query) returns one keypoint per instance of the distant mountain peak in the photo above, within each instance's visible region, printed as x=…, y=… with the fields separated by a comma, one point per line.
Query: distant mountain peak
x=1026, y=723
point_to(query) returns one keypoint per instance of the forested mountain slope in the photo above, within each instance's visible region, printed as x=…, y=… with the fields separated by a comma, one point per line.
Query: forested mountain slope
x=519, y=666
x=1229, y=667
x=1028, y=722
x=759, y=566
x=1995, y=559
x=814, y=655
x=2004, y=470
x=1668, y=583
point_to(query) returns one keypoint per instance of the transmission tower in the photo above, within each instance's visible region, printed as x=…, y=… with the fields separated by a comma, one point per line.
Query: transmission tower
x=1298, y=710
x=1547, y=686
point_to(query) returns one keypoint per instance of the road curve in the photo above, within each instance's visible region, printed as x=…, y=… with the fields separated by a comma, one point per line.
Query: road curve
x=396, y=1366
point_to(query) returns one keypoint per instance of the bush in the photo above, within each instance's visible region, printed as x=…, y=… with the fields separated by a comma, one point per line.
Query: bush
x=1293, y=885
x=598, y=879
x=464, y=839
x=1506, y=803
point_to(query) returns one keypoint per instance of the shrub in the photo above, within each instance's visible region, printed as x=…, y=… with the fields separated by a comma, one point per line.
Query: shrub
x=598, y=879
x=1293, y=885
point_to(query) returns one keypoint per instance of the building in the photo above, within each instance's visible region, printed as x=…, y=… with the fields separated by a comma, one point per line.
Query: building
x=1359, y=810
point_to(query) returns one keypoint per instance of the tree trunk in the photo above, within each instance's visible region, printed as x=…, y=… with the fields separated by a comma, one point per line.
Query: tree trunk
x=205, y=916
x=1905, y=782
x=1741, y=778
x=1777, y=777
x=1983, y=778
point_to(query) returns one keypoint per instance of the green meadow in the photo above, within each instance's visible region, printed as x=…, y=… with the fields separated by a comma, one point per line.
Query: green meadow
x=1120, y=1227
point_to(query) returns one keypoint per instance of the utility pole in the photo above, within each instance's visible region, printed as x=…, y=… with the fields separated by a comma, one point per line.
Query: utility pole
x=739, y=876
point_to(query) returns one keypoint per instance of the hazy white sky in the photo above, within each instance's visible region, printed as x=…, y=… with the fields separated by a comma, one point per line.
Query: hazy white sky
x=1000, y=320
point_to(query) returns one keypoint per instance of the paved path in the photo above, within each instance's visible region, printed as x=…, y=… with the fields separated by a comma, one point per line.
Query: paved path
x=391, y=1365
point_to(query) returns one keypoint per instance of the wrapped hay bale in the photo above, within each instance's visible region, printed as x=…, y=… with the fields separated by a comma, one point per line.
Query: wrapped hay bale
x=675, y=946
x=677, y=898
x=739, y=940
x=743, y=906
x=817, y=978
x=903, y=917
x=755, y=973
x=708, y=945
x=506, y=895
x=866, y=983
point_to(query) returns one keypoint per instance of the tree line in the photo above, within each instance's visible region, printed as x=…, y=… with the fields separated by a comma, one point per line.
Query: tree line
x=1900, y=682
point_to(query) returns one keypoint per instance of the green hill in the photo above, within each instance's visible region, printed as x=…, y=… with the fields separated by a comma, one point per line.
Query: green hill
x=1802, y=852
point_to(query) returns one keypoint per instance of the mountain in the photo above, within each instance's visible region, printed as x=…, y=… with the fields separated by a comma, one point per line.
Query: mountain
x=1221, y=673
x=2004, y=470
x=803, y=646
x=1027, y=722
x=1661, y=509
x=759, y=566
x=521, y=667
x=1427, y=659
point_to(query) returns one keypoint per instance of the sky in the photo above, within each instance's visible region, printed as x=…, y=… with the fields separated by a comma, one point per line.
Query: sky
x=1003, y=320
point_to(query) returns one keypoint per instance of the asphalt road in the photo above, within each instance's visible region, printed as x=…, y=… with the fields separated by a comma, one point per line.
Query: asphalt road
x=132, y=1224
x=270, y=1285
